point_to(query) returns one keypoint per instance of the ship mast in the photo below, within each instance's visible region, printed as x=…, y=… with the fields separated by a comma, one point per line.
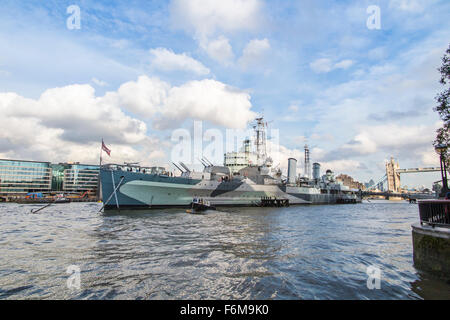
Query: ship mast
x=260, y=132
x=307, y=162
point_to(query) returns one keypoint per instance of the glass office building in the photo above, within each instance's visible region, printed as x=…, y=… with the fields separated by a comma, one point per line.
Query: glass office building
x=22, y=177
x=75, y=178
x=80, y=178
x=19, y=177
x=57, y=176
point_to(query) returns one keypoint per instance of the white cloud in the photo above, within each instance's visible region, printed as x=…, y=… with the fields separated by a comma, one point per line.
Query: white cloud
x=392, y=136
x=206, y=17
x=166, y=60
x=299, y=140
x=410, y=5
x=4, y=73
x=219, y=49
x=208, y=100
x=254, y=52
x=293, y=108
x=317, y=153
x=98, y=82
x=326, y=65
x=429, y=157
x=387, y=138
x=168, y=106
x=340, y=166
x=209, y=21
x=377, y=53
x=145, y=97
x=344, y=64
x=67, y=123
x=120, y=44
x=323, y=65
x=77, y=113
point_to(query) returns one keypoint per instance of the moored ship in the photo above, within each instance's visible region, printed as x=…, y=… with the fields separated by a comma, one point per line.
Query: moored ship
x=245, y=179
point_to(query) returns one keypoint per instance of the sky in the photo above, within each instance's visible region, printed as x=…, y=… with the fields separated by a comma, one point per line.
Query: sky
x=135, y=72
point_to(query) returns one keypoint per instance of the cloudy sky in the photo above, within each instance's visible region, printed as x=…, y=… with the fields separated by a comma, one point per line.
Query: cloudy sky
x=137, y=70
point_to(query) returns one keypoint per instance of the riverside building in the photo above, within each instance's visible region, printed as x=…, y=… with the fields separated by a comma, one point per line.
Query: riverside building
x=19, y=177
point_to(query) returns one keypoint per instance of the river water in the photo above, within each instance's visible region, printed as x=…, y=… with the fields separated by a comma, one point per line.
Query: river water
x=302, y=252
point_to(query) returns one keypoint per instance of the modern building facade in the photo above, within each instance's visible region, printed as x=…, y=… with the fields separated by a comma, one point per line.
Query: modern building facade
x=21, y=177
x=18, y=177
x=75, y=177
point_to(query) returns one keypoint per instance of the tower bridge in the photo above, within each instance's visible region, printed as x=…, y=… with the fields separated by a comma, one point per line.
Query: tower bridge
x=392, y=176
x=414, y=170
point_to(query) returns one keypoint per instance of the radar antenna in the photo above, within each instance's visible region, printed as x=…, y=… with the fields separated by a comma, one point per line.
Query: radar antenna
x=307, y=162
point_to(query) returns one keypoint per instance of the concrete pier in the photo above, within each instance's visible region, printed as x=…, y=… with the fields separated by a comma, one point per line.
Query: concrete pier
x=431, y=249
x=431, y=238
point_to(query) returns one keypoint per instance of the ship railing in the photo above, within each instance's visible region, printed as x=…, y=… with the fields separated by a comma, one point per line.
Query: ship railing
x=135, y=168
x=435, y=213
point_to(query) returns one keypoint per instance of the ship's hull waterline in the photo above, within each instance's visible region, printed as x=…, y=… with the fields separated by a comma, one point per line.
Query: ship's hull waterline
x=150, y=191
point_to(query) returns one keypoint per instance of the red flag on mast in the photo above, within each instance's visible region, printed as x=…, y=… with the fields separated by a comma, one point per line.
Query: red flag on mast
x=105, y=148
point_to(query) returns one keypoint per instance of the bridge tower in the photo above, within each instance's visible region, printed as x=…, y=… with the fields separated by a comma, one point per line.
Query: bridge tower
x=393, y=177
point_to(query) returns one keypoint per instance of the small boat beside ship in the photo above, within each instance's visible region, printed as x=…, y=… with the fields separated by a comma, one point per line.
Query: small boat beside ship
x=199, y=205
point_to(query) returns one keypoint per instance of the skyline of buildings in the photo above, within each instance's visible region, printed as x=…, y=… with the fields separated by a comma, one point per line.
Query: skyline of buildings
x=25, y=176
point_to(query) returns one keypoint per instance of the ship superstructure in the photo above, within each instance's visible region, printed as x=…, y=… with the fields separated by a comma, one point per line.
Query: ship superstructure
x=241, y=159
x=246, y=178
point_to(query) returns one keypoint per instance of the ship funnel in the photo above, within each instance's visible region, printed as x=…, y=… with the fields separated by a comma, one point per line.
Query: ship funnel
x=292, y=170
x=316, y=171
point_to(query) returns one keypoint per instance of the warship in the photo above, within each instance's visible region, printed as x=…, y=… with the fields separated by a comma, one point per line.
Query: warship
x=247, y=178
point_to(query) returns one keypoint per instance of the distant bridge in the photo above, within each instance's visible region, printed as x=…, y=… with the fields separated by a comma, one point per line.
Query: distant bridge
x=392, y=176
x=407, y=196
x=414, y=170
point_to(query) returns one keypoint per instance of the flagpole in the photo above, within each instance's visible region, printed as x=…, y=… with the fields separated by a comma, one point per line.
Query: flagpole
x=99, y=185
x=108, y=152
x=101, y=150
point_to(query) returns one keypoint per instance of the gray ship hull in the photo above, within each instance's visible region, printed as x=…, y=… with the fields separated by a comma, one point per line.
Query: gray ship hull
x=137, y=190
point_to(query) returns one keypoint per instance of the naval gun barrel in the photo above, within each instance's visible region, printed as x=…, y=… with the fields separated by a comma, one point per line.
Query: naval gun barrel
x=185, y=167
x=177, y=167
x=204, y=163
x=207, y=161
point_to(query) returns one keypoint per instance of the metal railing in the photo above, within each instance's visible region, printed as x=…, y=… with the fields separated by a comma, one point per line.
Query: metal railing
x=435, y=212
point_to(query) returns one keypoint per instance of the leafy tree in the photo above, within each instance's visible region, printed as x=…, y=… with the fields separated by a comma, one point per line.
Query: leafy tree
x=443, y=107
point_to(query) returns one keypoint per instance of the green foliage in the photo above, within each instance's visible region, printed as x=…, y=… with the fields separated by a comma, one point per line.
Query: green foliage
x=443, y=107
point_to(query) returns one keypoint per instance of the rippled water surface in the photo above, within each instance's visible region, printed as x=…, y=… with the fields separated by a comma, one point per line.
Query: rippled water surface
x=303, y=252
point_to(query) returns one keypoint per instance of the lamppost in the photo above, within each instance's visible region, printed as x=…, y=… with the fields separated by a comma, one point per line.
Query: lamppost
x=440, y=150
